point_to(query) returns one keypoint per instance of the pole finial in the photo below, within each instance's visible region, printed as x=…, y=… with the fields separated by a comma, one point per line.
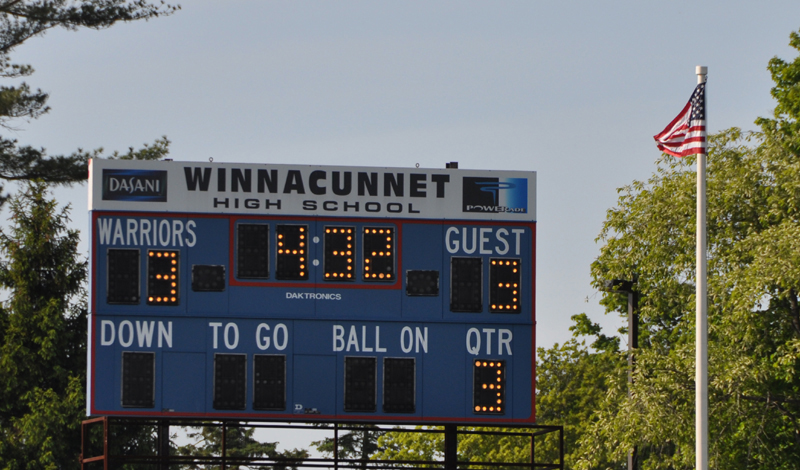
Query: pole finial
x=701, y=71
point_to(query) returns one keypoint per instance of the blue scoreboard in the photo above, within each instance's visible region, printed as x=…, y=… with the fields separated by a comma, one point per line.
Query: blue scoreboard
x=298, y=293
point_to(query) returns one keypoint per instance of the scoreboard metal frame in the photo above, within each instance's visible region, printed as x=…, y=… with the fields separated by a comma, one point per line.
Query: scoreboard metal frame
x=301, y=293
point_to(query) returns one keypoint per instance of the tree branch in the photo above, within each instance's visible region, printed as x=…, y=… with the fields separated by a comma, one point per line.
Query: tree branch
x=794, y=311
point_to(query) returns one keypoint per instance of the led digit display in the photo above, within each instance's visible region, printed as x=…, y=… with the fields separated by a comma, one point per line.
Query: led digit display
x=489, y=390
x=340, y=254
x=138, y=379
x=252, y=247
x=269, y=382
x=123, y=277
x=359, y=383
x=422, y=283
x=379, y=254
x=466, y=284
x=163, y=277
x=504, y=285
x=208, y=278
x=292, y=252
x=230, y=381
x=399, y=388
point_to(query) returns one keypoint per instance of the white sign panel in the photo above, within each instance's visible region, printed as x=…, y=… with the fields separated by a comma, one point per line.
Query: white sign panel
x=301, y=190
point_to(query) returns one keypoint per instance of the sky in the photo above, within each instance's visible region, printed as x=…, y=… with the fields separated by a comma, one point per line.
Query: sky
x=572, y=90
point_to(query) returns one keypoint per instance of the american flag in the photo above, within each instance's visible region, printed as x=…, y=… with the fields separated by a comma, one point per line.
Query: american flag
x=686, y=134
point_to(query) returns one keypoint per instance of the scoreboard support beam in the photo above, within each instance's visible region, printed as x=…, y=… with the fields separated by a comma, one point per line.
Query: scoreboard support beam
x=102, y=449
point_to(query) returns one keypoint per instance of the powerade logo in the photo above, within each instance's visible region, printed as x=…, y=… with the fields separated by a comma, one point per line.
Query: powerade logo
x=495, y=195
x=135, y=185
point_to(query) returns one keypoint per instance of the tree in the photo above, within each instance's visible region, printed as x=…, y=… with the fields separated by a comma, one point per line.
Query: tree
x=572, y=382
x=359, y=444
x=240, y=443
x=42, y=336
x=753, y=285
x=21, y=20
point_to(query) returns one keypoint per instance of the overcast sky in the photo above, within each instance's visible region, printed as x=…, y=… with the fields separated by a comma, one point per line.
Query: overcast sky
x=572, y=90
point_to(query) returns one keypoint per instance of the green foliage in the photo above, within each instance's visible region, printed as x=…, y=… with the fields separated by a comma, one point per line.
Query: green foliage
x=239, y=443
x=754, y=327
x=21, y=20
x=358, y=444
x=42, y=336
x=572, y=383
x=411, y=446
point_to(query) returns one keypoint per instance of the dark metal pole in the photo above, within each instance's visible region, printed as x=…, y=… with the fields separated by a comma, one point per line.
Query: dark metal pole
x=450, y=447
x=633, y=343
x=163, y=445
x=106, y=458
x=533, y=452
x=336, y=446
x=223, y=451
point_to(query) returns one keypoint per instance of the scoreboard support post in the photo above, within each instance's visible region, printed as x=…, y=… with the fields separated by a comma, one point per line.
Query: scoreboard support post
x=451, y=447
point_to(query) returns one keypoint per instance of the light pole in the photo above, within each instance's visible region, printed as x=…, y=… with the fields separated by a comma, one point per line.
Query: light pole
x=628, y=287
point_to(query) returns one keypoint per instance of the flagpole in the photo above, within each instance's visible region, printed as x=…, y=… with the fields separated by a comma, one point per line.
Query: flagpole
x=701, y=320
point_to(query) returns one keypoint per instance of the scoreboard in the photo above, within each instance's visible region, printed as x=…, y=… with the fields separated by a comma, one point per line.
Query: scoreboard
x=301, y=293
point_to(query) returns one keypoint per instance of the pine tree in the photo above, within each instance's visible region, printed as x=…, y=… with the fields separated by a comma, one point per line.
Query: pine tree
x=42, y=335
x=21, y=20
